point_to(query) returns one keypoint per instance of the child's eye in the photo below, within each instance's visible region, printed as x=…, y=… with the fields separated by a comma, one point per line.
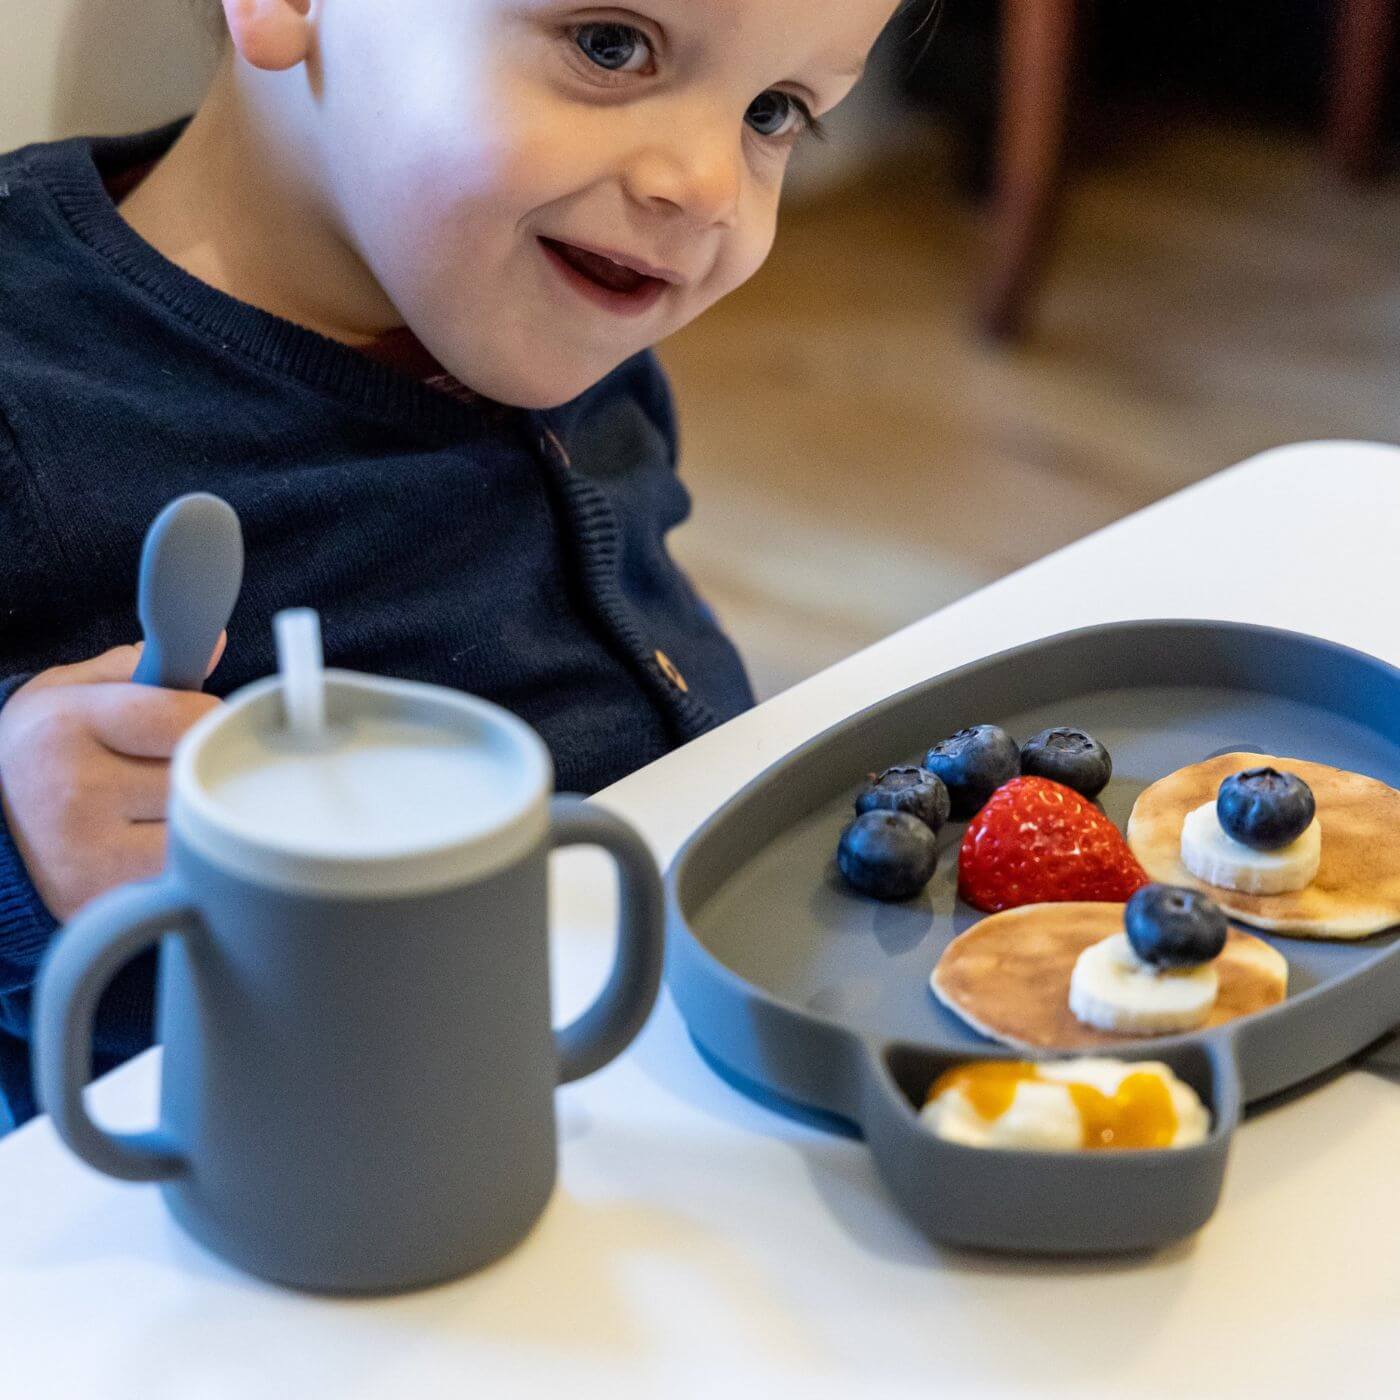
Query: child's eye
x=623, y=48
x=771, y=113
x=613, y=46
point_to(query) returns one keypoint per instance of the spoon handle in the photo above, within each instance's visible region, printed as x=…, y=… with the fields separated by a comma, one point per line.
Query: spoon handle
x=191, y=573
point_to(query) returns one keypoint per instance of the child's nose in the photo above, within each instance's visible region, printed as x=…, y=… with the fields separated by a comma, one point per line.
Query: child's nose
x=699, y=176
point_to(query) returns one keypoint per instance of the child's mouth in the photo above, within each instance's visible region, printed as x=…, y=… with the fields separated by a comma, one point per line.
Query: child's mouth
x=603, y=281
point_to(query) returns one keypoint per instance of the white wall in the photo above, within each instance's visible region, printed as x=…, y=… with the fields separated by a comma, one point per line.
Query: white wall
x=71, y=67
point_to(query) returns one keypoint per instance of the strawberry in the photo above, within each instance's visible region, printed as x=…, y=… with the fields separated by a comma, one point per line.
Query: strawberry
x=1037, y=842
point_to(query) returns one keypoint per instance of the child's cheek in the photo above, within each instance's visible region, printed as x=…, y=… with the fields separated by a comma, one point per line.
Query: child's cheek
x=408, y=105
x=436, y=265
x=418, y=195
x=747, y=245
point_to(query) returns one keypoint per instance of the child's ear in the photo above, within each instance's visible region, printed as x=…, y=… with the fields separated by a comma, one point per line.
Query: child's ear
x=272, y=34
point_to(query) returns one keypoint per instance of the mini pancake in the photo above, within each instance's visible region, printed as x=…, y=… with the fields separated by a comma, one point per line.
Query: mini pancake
x=1008, y=976
x=1356, y=891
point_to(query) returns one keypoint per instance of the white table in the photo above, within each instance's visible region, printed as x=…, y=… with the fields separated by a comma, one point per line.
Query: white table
x=700, y=1246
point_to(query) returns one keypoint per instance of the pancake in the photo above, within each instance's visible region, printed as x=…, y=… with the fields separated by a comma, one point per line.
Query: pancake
x=1008, y=976
x=1356, y=891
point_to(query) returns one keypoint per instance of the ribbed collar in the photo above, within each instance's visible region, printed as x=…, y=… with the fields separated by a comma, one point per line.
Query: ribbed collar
x=73, y=171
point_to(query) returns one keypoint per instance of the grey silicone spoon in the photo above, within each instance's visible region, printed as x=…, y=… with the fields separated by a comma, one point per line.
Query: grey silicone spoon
x=191, y=571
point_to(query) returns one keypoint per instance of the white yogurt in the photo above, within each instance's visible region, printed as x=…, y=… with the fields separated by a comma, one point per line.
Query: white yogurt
x=1042, y=1115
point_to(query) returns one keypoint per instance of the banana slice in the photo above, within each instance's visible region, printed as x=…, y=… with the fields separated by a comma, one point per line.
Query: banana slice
x=1112, y=989
x=1211, y=854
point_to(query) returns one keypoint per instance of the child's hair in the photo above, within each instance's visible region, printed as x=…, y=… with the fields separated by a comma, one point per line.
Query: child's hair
x=930, y=14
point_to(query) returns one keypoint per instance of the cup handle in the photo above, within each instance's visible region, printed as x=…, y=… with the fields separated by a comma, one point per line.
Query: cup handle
x=88, y=951
x=609, y=1026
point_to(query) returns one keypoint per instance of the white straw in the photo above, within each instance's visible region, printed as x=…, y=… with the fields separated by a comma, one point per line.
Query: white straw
x=299, y=659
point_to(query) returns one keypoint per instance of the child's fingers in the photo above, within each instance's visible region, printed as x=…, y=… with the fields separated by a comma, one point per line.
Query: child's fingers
x=218, y=653
x=141, y=850
x=142, y=786
x=140, y=721
x=126, y=851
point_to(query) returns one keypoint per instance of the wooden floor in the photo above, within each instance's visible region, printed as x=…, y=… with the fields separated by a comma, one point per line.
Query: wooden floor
x=858, y=458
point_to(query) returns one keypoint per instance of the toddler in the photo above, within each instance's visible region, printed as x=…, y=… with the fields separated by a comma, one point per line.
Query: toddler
x=391, y=292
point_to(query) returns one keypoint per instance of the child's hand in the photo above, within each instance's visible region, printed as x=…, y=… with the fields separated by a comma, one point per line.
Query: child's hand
x=85, y=773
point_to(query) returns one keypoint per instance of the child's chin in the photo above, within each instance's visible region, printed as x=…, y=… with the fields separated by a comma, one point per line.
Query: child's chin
x=536, y=390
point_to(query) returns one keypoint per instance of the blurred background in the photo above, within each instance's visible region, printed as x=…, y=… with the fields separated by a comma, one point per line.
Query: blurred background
x=966, y=352
x=1060, y=259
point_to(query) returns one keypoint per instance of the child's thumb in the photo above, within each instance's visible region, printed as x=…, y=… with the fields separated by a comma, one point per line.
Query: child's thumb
x=118, y=664
x=114, y=665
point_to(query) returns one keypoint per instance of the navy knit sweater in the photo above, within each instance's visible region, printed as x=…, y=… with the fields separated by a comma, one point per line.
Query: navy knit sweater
x=513, y=553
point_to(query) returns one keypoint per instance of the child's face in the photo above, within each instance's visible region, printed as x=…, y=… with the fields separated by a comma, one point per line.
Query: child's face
x=461, y=137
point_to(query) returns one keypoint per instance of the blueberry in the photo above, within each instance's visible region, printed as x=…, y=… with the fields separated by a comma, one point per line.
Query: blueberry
x=1169, y=926
x=1265, y=809
x=973, y=764
x=890, y=855
x=1068, y=756
x=908, y=789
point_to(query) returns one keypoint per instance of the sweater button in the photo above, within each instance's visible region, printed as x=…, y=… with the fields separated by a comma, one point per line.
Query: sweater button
x=668, y=669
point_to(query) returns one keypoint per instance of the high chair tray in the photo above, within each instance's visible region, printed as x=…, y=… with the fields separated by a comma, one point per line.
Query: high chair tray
x=798, y=989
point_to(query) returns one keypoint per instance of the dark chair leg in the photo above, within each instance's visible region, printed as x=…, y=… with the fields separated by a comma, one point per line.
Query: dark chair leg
x=1036, y=64
x=1360, y=54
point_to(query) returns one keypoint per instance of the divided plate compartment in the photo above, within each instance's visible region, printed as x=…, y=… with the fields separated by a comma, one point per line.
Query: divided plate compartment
x=815, y=999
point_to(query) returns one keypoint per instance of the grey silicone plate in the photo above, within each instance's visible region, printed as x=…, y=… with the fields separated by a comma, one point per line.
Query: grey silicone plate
x=798, y=989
